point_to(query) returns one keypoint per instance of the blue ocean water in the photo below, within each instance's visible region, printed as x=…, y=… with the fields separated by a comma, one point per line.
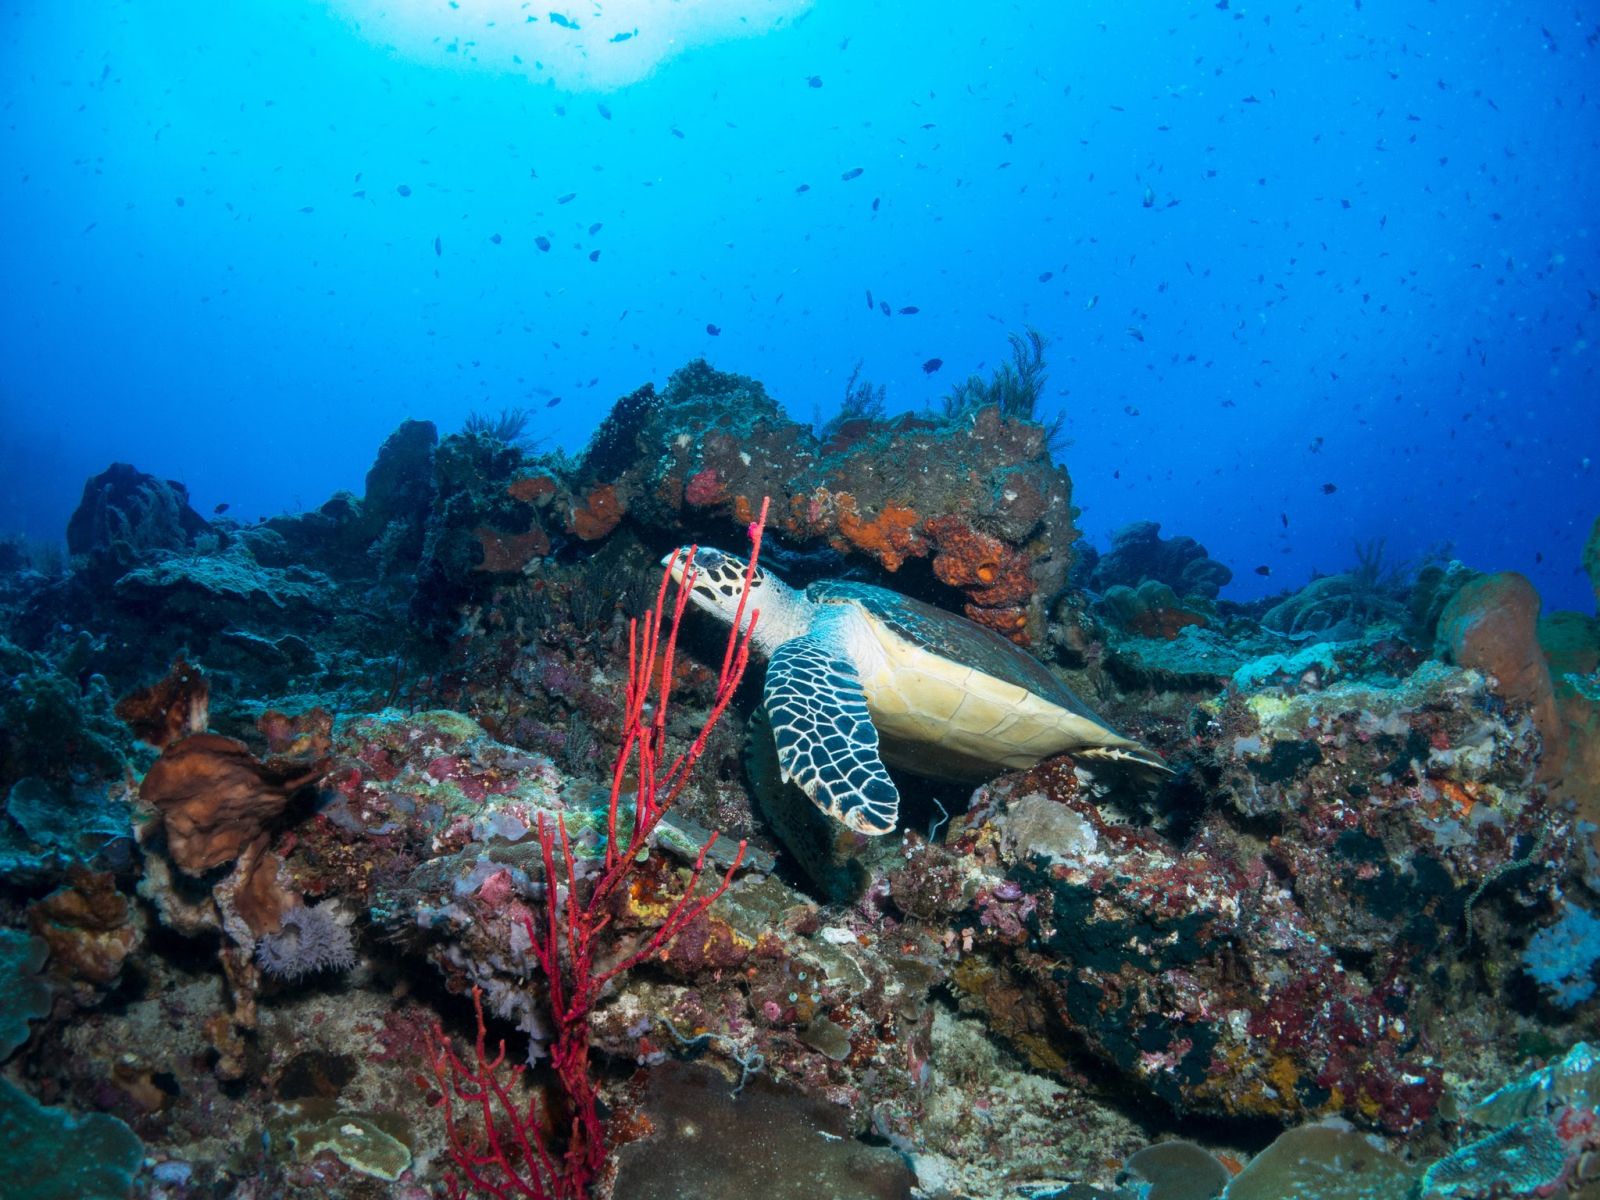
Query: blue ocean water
x=1312, y=274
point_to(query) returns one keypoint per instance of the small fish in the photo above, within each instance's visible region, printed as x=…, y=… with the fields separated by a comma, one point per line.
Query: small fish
x=1329, y=489
x=814, y=81
x=404, y=189
x=883, y=307
x=1117, y=474
x=595, y=228
x=852, y=173
x=605, y=113
x=1046, y=276
x=1130, y=410
x=594, y=256
x=1149, y=197
x=1092, y=301
x=932, y=365
x=622, y=37
x=874, y=204
x=567, y=199
x=221, y=508
x=552, y=402
x=563, y=21
x=542, y=242
x=713, y=330
x=804, y=187
x=1136, y=333
x=1263, y=570
x=438, y=247
x=675, y=131
x=870, y=304
x=495, y=238
x=910, y=310
x=307, y=209
x=1284, y=517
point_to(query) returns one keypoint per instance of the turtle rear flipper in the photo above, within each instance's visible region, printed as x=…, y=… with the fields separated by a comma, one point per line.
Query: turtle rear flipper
x=825, y=737
x=1138, y=763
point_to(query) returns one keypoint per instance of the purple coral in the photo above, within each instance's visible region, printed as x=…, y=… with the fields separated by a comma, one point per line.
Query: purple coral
x=311, y=940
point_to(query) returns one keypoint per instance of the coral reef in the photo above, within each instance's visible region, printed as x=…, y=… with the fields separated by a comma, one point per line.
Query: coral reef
x=1151, y=610
x=1348, y=950
x=1139, y=553
x=990, y=514
x=1341, y=606
x=124, y=512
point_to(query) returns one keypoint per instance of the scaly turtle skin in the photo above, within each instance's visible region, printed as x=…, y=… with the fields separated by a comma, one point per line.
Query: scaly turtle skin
x=859, y=676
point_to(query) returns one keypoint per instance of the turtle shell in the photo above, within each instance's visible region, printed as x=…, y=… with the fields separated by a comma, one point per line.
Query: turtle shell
x=950, y=635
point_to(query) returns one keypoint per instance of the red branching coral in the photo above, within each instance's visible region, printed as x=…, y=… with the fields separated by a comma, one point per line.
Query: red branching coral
x=506, y=1148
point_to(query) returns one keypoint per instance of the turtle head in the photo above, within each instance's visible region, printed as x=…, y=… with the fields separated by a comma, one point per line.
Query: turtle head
x=718, y=578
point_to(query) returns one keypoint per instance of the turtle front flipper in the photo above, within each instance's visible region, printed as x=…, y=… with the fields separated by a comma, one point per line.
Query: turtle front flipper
x=825, y=737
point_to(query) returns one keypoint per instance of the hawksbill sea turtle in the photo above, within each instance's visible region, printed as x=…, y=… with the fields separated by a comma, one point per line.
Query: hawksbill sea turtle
x=859, y=675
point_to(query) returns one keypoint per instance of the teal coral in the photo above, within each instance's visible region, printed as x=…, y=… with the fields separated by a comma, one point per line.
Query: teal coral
x=1562, y=956
x=54, y=1155
x=1318, y=657
x=1574, y=1080
x=1528, y=1148
x=23, y=995
x=218, y=587
x=1523, y=1156
x=51, y=726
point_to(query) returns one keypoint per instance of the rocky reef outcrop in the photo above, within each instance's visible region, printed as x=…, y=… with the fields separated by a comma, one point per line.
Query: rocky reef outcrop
x=984, y=520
